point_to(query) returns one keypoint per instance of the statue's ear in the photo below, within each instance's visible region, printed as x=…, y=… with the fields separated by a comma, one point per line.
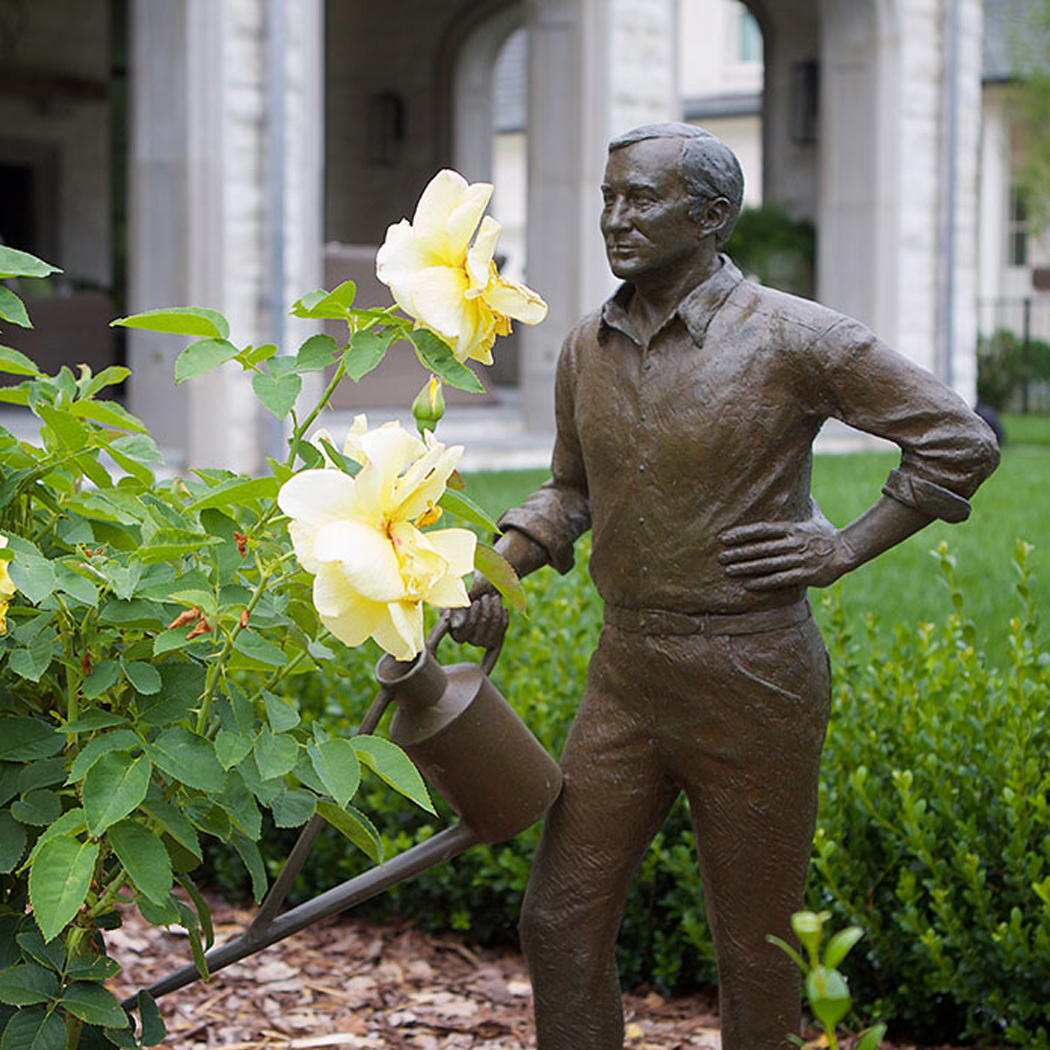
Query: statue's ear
x=713, y=216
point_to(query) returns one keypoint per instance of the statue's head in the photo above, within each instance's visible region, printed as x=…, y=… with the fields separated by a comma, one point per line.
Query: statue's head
x=708, y=168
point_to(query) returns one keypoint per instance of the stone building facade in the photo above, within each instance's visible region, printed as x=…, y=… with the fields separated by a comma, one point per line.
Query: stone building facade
x=260, y=131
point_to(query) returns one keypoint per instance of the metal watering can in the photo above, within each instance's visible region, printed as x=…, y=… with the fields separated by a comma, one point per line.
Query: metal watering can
x=475, y=752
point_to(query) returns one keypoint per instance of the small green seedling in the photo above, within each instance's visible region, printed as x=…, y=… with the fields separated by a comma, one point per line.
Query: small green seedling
x=826, y=988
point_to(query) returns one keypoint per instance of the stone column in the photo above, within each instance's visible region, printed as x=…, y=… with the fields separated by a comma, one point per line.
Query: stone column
x=596, y=68
x=900, y=87
x=222, y=193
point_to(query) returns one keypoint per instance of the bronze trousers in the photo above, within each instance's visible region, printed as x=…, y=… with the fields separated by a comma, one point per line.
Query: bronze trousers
x=737, y=722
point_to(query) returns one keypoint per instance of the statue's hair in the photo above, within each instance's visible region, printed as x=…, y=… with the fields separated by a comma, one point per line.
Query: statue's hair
x=708, y=166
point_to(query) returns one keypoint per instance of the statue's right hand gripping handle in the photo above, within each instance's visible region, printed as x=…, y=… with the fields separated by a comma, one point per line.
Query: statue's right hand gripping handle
x=442, y=627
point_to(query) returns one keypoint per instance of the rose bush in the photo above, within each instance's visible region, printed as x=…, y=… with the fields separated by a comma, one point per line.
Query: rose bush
x=154, y=629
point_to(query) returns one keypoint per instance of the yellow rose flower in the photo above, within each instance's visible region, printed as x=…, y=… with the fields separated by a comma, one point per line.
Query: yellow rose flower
x=446, y=284
x=360, y=537
x=7, y=589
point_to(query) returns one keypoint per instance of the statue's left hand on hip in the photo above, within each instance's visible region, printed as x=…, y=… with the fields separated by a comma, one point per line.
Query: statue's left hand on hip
x=769, y=555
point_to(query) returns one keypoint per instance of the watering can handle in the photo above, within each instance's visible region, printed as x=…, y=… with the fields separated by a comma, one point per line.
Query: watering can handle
x=441, y=628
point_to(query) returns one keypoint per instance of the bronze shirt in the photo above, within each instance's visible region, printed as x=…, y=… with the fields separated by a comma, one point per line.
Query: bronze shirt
x=663, y=447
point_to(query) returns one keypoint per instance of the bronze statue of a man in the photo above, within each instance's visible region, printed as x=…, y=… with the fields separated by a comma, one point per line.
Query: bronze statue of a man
x=686, y=412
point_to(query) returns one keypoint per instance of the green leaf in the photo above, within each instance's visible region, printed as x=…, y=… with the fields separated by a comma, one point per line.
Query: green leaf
x=255, y=355
x=169, y=545
x=279, y=713
x=16, y=363
x=154, y=1031
x=118, y=740
x=108, y=414
x=26, y=984
x=870, y=1038
x=43, y=773
x=788, y=950
x=839, y=946
x=499, y=572
x=31, y=663
x=71, y=432
x=143, y=676
x=58, y=882
x=277, y=393
x=338, y=460
x=355, y=826
x=249, y=853
x=436, y=355
x=176, y=824
x=275, y=754
x=51, y=954
x=140, y=448
x=70, y=582
x=124, y=579
x=34, y=577
x=464, y=507
x=70, y=823
x=165, y=914
x=37, y=808
x=231, y=748
x=103, y=676
x=91, y=721
x=12, y=841
x=187, y=757
x=201, y=907
x=253, y=645
x=335, y=762
x=15, y=263
x=316, y=353
x=293, y=808
x=34, y=1029
x=237, y=491
x=13, y=309
x=201, y=357
x=90, y=967
x=239, y=802
x=366, y=351
x=114, y=375
x=179, y=320
x=113, y=787
x=23, y=739
x=392, y=765
x=94, y=1004
x=144, y=856
x=321, y=304
x=209, y=816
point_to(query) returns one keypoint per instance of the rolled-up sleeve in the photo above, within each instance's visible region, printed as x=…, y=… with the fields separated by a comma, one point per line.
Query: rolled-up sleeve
x=559, y=512
x=947, y=450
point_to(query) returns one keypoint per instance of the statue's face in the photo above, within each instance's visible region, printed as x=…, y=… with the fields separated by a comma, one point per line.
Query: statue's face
x=645, y=217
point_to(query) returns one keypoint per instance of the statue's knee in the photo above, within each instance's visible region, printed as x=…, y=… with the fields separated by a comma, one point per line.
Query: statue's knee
x=538, y=923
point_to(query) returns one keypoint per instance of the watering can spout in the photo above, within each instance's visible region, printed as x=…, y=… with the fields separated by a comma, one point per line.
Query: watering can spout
x=469, y=743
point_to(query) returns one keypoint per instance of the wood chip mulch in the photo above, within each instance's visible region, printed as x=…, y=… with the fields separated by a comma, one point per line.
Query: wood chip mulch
x=350, y=983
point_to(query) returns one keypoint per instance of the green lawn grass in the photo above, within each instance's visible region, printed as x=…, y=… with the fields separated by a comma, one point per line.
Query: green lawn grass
x=1026, y=430
x=905, y=584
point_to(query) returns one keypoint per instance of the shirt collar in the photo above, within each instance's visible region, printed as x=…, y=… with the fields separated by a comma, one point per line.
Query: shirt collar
x=696, y=310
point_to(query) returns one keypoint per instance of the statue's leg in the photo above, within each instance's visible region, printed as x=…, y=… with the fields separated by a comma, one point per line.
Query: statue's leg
x=614, y=800
x=753, y=795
